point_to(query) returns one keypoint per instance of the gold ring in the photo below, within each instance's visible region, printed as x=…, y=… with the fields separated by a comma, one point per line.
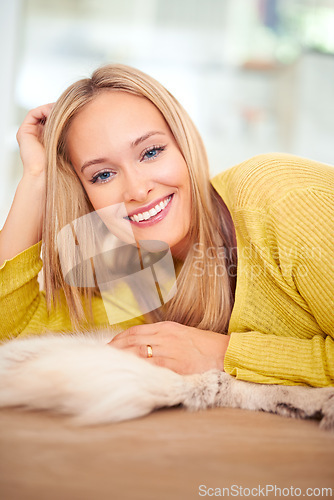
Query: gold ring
x=149, y=351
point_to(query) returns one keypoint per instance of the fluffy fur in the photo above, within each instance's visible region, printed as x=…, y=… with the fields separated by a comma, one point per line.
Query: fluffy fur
x=80, y=376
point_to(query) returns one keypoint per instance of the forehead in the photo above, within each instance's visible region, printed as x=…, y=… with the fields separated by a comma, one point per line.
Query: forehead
x=110, y=123
x=119, y=108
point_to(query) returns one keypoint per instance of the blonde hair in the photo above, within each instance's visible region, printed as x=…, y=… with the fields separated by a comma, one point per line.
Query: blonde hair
x=204, y=302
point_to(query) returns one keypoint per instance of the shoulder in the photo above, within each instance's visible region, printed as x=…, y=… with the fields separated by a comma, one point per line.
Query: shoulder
x=266, y=179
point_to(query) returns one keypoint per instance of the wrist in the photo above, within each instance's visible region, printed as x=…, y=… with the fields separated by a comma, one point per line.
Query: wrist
x=28, y=206
x=220, y=347
x=226, y=340
x=33, y=187
x=34, y=178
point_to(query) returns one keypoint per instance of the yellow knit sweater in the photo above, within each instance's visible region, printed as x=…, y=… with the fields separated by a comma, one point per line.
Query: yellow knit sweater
x=282, y=324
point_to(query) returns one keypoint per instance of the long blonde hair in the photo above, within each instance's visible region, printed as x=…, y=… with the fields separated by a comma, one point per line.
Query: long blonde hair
x=203, y=301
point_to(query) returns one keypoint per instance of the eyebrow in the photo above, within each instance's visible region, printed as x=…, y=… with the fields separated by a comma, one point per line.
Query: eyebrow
x=145, y=136
x=92, y=162
x=135, y=143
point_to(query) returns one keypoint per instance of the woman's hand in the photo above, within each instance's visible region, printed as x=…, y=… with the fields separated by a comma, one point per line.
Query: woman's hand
x=29, y=137
x=180, y=348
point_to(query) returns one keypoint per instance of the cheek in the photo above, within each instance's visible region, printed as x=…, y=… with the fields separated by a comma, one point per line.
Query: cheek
x=101, y=196
x=183, y=177
x=175, y=173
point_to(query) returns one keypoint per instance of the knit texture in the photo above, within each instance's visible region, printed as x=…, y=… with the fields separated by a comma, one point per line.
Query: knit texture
x=282, y=324
x=23, y=306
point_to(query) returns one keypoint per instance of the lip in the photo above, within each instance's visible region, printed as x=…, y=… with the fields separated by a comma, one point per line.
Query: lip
x=148, y=207
x=156, y=218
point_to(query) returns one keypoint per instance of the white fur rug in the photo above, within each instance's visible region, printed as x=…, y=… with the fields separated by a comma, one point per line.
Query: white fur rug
x=81, y=376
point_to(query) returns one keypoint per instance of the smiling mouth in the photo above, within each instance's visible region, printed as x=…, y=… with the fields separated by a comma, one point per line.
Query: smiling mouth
x=153, y=212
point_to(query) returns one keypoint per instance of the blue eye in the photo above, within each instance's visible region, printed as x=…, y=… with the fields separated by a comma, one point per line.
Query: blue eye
x=152, y=153
x=104, y=175
x=101, y=177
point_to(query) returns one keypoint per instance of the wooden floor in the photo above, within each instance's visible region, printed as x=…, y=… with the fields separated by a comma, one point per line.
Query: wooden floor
x=170, y=454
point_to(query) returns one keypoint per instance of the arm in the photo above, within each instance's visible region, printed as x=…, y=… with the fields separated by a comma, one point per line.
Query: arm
x=284, y=357
x=23, y=227
x=283, y=360
x=22, y=304
x=307, y=357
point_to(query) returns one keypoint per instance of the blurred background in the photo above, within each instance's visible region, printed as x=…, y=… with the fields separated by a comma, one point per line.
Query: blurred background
x=255, y=75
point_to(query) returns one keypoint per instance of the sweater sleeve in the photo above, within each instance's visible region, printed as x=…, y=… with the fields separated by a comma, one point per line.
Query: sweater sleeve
x=307, y=268
x=22, y=303
x=270, y=359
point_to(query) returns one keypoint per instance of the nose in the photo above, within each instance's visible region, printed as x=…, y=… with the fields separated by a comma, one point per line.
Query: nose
x=136, y=186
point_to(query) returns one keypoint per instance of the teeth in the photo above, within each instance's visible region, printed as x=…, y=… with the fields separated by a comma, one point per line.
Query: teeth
x=152, y=212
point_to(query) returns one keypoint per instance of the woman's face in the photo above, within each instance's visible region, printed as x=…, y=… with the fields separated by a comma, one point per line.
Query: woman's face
x=123, y=152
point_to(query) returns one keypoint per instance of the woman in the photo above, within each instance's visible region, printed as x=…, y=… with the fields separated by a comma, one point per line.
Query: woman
x=121, y=138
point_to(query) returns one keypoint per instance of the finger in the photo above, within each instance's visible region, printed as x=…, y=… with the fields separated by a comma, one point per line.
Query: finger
x=137, y=330
x=143, y=351
x=133, y=341
x=34, y=122
x=43, y=110
x=166, y=362
x=38, y=115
